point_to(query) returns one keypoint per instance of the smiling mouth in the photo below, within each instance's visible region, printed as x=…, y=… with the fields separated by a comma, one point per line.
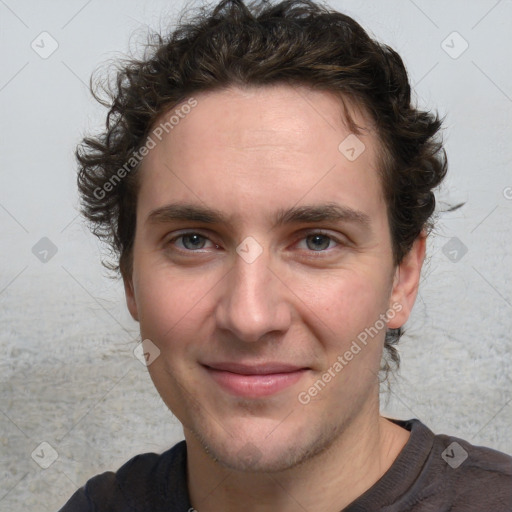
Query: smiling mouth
x=254, y=381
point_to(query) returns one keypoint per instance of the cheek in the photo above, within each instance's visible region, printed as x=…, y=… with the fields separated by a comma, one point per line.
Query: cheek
x=164, y=302
x=343, y=314
x=346, y=304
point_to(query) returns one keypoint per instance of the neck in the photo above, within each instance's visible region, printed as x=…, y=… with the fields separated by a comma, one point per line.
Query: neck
x=328, y=482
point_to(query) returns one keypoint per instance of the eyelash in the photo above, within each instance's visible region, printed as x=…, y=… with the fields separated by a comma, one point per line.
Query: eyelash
x=304, y=237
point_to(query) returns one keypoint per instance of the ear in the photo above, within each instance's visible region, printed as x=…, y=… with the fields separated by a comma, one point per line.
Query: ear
x=406, y=282
x=130, y=297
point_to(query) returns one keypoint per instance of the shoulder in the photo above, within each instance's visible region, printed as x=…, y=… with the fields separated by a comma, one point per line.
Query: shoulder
x=475, y=472
x=446, y=473
x=142, y=483
x=468, y=477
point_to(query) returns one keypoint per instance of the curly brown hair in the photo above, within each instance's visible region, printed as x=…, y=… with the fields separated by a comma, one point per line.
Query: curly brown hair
x=297, y=42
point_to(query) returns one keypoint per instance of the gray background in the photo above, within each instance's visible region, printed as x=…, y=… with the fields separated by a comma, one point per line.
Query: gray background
x=68, y=376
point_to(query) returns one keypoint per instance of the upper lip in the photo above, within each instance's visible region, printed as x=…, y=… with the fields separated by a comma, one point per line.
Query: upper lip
x=255, y=369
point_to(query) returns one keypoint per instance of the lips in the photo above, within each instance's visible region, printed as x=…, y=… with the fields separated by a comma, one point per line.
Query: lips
x=254, y=381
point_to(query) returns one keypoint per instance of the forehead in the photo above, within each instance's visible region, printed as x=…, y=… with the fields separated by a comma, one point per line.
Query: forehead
x=247, y=117
x=266, y=146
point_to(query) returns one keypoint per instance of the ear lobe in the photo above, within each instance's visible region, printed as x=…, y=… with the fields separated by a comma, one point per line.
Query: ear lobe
x=406, y=282
x=130, y=298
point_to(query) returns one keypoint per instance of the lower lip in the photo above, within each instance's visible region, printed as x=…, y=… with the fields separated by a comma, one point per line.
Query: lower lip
x=255, y=386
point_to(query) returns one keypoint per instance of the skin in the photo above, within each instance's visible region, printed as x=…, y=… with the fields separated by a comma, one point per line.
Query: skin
x=249, y=153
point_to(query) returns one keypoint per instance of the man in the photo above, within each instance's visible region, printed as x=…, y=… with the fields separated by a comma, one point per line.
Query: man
x=268, y=187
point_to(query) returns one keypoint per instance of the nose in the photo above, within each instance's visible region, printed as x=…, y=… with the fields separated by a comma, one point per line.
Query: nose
x=253, y=301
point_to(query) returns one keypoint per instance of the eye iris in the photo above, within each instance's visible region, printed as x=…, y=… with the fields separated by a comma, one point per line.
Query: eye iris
x=197, y=241
x=317, y=242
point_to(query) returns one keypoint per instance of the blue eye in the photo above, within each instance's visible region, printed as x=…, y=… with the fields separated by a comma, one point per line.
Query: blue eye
x=190, y=241
x=196, y=241
x=319, y=242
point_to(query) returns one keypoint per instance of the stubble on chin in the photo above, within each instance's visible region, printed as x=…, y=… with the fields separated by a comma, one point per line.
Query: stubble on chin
x=263, y=457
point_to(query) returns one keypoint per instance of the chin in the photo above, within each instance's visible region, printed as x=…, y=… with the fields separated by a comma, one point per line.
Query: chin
x=262, y=454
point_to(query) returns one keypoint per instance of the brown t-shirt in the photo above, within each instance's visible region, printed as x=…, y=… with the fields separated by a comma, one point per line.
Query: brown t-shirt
x=432, y=473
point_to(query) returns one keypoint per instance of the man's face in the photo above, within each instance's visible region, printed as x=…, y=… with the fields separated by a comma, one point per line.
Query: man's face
x=251, y=309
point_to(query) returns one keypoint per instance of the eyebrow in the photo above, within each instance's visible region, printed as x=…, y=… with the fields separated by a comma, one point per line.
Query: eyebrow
x=328, y=212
